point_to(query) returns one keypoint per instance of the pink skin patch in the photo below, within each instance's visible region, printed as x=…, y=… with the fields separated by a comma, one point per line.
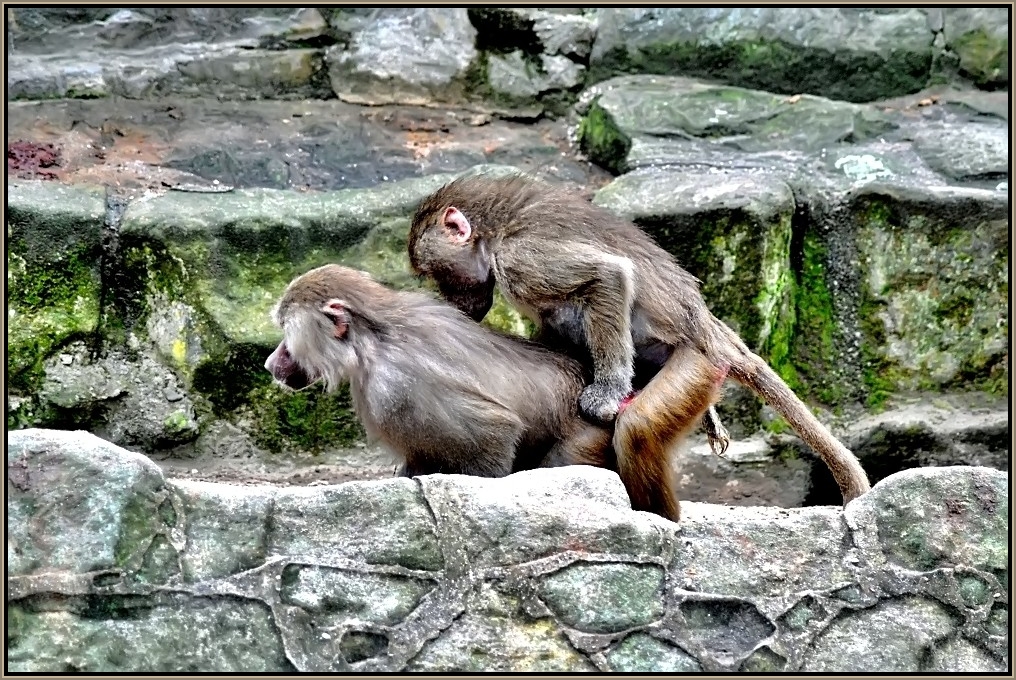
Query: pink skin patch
x=624, y=402
x=721, y=373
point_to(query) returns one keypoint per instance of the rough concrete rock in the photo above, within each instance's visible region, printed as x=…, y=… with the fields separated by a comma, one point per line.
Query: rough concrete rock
x=115, y=568
x=78, y=504
x=220, y=70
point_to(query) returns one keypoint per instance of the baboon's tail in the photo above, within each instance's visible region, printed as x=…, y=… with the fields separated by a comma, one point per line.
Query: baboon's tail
x=750, y=370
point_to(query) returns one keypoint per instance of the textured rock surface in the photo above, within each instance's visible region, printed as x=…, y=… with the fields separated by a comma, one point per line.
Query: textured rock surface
x=512, y=75
x=980, y=40
x=161, y=338
x=861, y=248
x=865, y=266
x=787, y=50
x=435, y=46
x=114, y=568
x=857, y=54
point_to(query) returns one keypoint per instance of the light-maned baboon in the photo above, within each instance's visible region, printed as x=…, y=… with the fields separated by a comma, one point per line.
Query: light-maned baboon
x=439, y=390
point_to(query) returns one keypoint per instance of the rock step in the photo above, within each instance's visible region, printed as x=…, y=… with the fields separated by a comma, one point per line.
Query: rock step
x=522, y=55
x=844, y=242
x=855, y=281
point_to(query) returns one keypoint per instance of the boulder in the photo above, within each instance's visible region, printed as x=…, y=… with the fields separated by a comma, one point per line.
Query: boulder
x=435, y=47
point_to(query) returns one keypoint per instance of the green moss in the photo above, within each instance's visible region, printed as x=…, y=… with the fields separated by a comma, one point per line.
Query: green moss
x=775, y=66
x=226, y=380
x=503, y=317
x=25, y=415
x=744, y=266
x=981, y=56
x=176, y=422
x=49, y=304
x=602, y=140
x=474, y=77
x=146, y=270
x=745, y=274
x=877, y=373
x=875, y=212
x=310, y=419
x=152, y=263
x=957, y=308
x=780, y=426
x=874, y=369
x=718, y=249
x=775, y=303
x=813, y=345
x=73, y=93
x=42, y=285
x=938, y=275
x=237, y=284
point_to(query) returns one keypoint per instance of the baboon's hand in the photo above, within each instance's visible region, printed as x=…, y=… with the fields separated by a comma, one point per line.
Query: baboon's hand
x=600, y=402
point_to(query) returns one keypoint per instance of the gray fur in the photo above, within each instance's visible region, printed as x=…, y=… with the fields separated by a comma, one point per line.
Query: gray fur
x=445, y=393
x=549, y=248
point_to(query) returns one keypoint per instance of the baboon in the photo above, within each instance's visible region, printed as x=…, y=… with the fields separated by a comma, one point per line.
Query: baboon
x=442, y=392
x=599, y=282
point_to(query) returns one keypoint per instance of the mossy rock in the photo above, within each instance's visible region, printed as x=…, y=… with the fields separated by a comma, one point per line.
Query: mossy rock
x=48, y=305
x=979, y=38
x=847, y=54
x=53, y=287
x=238, y=387
x=814, y=347
x=733, y=232
x=648, y=108
x=196, y=275
x=777, y=66
x=602, y=140
x=934, y=290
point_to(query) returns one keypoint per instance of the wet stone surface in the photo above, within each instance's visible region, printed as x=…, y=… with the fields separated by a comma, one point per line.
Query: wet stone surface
x=301, y=145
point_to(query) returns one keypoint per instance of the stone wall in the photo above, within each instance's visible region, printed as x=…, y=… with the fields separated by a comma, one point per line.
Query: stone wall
x=112, y=567
x=513, y=55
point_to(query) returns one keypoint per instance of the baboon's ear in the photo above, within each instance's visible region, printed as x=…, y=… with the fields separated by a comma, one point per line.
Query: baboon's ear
x=336, y=311
x=457, y=224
